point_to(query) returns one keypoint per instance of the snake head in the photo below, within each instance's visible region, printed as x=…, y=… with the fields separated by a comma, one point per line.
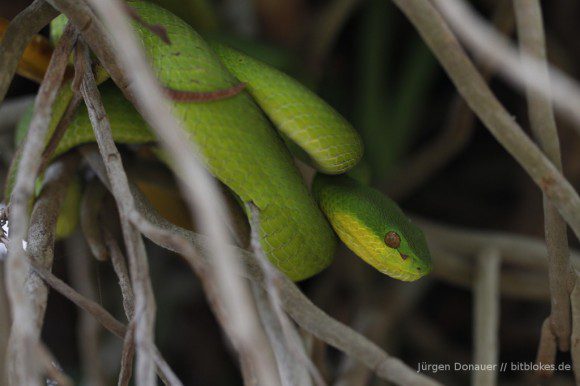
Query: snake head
x=405, y=255
x=374, y=227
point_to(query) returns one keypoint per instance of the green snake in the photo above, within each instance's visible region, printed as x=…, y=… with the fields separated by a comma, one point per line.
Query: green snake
x=243, y=142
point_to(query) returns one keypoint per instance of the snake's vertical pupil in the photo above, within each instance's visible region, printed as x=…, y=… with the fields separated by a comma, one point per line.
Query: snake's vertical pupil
x=392, y=239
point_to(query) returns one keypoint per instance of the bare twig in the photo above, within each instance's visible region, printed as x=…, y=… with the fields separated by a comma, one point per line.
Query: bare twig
x=547, y=350
x=271, y=277
x=516, y=283
x=292, y=371
x=41, y=234
x=127, y=356
x=94, y=33
x=98, y=312
x=23, y=341
x=500, y=123
x=103, y=317
x=377, y=320
x=4, y=328
x=19, y=32
x=575, y=341
x=163, y=369
x=118, y=261
x=519, y=251
x=543, y=125
x=486, y=315
x=53, y=371
x=144, y=300
x=525, y=71
x=79, y=266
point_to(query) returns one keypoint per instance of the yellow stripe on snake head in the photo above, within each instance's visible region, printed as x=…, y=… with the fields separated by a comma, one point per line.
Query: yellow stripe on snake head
x=370, y=247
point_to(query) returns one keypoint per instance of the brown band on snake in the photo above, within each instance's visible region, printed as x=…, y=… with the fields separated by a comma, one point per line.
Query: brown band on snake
x=156, y=29
x=193, y=96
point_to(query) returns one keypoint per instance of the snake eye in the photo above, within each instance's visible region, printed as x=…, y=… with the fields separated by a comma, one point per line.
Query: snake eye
x=392, y=239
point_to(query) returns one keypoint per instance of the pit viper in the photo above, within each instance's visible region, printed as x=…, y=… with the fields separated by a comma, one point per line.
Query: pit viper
x=243, y=140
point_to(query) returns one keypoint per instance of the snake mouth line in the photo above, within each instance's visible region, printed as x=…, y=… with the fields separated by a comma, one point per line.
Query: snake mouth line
x=403, y=275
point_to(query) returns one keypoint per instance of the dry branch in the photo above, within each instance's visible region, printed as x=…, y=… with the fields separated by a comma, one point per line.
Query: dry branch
x=500, y=123
x=80, y=266
x=22, y=352
x=102, y=316
x=543, y=125
x=520, y=251
x=377, y=320
x=41, y=233
x=144, y=316
x=575, y=338
x=525, y=71
x=299, y=362
x=547, y=349
x=486, y=315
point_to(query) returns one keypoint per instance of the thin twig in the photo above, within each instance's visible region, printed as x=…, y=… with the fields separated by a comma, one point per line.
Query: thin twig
x=292, y=371
x=94, y=33
x=500, y=123
x=19, y=32
x=517, y=250
x=4, y=328
x=516, y=283
x=547, y=350
x=23, y=340
x=42, y=230
x=388, y=309
x=543, y=125
x=103, y=317
x=118, y=261
x=144, y=300
x=164, y=371
x=127, y=357
x=525, y=71
x=486, y=316
x=271, y=277
x=53, y=370
x=98, y=312
x=575, y=339
x=79, y=267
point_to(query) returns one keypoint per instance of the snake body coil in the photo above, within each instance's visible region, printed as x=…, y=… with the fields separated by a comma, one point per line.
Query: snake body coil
x=242, y=149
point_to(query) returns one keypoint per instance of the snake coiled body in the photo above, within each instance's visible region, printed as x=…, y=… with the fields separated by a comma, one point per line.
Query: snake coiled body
x=242, y=141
